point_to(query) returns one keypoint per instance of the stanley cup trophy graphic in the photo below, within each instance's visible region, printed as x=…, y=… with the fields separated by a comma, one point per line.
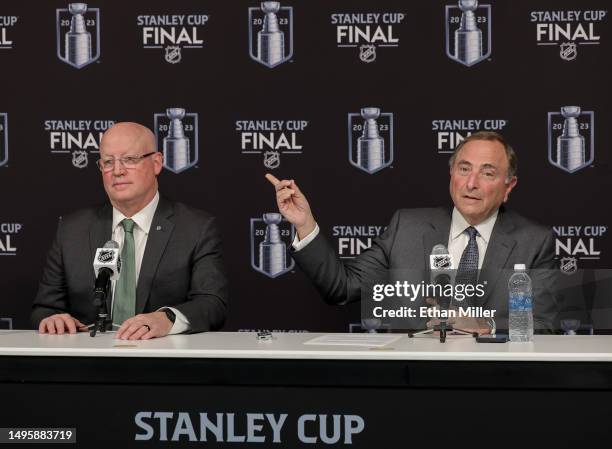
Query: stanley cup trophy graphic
x=176, y=145
x=270, y=40
x=370, y=145
x=570, y=144
x=78, y=39
x=272, y=251
x=468, y=38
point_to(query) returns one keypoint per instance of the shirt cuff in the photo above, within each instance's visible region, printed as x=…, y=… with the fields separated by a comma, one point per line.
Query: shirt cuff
x=181, y=324
x=301, y=244
x=492, y=326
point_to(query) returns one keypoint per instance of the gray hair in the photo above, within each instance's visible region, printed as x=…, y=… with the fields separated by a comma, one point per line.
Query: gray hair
x=494, y=137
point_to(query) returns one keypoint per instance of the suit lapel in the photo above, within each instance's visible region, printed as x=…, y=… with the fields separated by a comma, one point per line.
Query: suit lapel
x=100, y=232
x=159, y=234
x=440, y=229
x=498, y=251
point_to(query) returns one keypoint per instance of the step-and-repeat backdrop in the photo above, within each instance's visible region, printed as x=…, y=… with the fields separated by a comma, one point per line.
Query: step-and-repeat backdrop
x=301, y=89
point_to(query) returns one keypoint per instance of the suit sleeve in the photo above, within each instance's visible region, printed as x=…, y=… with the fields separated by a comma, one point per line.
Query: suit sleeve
x=341, y=282
x=52, y=296
x=207, y=299
x=544, y=273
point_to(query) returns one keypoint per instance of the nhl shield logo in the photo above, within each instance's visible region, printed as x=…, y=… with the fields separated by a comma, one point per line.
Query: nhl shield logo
x=106, y=256
x=177, y=135
x=271, y=33
x=571, y=138
x=271, y=237
x=271, y=159
x=569, y=265
x=78, y=34
x=441, y=262
x=367, y=53
x=80, y=158
x=370, y=139
x=468, y=32
x=173, y=54
x=3, y=138
x=568, y=51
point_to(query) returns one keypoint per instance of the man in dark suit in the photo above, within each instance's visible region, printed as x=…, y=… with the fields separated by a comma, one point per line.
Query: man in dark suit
x=172, y=278
x=478, y=232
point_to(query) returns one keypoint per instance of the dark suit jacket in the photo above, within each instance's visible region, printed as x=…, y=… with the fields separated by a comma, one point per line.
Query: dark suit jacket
x=182, y=266
x=406, y=245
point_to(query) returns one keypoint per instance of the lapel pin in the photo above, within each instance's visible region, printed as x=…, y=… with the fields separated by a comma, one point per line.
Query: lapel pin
x=159, y=228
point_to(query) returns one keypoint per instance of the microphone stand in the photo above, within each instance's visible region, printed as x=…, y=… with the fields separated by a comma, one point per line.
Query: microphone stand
x=443, y=331
x=444, y=328
x=102, y=321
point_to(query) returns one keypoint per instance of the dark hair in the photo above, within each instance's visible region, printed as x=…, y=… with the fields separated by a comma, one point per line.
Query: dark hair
x=490, y=136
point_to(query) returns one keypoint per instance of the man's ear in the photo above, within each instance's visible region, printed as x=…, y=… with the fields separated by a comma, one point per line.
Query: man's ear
x=158, y=162
x=509, y=186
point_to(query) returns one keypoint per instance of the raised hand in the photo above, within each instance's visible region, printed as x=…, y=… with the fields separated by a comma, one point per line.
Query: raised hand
x=293, y=205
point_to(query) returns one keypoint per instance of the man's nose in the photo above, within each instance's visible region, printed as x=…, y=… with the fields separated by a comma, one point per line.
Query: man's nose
x=472, y=181
x=118, y=168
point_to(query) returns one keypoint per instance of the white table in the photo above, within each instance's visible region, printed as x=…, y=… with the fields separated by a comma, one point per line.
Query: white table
x=244, y=345
x=560, y=386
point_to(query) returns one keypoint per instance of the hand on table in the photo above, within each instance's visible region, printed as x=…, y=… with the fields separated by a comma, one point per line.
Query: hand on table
x=61, y=323
x=145, y=326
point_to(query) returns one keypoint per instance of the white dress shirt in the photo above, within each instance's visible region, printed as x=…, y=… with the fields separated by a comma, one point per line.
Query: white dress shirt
x=458, y=238
x=299, y=244
x=142, y=225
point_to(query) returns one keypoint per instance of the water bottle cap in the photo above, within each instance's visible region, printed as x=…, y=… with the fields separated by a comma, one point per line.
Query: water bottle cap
x=519, y=267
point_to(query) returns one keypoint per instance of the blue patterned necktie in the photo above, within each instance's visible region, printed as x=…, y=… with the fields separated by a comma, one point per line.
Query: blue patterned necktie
x=467, y=273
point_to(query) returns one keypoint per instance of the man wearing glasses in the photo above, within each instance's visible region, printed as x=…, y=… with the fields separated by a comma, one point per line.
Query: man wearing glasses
x=172, y=278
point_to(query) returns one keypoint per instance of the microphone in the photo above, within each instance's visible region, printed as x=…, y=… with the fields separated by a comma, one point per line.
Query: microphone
x=441, y=265
x=107, y=262
x=442, y=269
x=107, y=266
x=442, y=274
x=440, y=261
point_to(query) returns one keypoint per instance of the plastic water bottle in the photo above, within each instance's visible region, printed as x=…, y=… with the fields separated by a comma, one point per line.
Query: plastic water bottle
x=520, y=305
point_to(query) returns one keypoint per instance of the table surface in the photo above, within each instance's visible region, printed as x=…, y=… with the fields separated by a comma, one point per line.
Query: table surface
x=244, y=345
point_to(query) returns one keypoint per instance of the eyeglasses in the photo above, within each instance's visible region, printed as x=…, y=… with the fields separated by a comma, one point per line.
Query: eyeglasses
x=128, y=162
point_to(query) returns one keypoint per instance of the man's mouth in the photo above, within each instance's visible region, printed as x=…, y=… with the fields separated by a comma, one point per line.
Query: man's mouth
x=470, y=197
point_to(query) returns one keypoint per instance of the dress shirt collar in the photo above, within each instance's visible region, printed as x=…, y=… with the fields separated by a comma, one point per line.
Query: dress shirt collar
x=142, y=218
x=485, y=228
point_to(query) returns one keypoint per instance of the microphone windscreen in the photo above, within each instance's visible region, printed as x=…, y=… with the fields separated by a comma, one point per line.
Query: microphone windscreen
x=439, y=249
x=111, y=244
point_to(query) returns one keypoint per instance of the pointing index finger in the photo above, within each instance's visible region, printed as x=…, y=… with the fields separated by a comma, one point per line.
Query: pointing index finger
x=273, y=179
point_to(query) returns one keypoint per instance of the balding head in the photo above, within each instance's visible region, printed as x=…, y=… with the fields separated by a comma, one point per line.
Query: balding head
x=128, y=135
x=130, y=164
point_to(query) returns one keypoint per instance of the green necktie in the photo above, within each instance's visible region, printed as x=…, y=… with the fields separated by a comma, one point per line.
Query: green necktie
x=125, y=291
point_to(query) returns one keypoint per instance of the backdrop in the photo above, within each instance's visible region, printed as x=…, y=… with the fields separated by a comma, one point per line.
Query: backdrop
x=359, y=101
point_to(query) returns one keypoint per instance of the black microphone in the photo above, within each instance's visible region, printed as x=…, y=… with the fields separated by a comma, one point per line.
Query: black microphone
x=441, y=264
x=107, y=266
x=442, y=274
